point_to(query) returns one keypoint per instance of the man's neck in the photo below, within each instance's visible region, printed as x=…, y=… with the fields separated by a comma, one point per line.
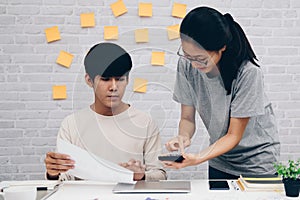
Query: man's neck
x=109, y=111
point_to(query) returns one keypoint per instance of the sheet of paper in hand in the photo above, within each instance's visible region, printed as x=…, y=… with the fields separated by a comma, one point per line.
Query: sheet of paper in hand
x=90, y=167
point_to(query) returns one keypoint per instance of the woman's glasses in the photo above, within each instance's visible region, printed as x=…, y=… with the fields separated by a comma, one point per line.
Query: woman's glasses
x=202, y=62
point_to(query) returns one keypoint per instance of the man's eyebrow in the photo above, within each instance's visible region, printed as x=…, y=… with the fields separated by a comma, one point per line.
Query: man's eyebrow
x=103, y=77
x=110, y=77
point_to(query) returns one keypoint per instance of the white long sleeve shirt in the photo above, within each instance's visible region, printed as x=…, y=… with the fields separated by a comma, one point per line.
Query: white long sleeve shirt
x=131, y=134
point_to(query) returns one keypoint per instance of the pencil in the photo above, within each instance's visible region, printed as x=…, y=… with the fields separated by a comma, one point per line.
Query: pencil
x=240, y=185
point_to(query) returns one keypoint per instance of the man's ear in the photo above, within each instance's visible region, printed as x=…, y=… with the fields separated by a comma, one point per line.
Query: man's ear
x=88, y=80
x=127, y=79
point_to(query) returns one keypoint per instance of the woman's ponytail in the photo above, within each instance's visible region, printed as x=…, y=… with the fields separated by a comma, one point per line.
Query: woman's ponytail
x=238, y=50
x=212, y=31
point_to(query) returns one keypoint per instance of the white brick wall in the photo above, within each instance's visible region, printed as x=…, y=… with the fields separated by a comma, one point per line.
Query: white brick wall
x=29, y=119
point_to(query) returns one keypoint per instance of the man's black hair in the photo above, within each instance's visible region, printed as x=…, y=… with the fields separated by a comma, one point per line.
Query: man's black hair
x=107, y=60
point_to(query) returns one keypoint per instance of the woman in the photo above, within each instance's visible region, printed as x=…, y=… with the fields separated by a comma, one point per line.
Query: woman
x=218, y=77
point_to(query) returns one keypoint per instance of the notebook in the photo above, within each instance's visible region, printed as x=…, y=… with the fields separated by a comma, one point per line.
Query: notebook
x=154, y=187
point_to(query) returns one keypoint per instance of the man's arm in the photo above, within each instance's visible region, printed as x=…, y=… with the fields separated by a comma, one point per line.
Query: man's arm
x=58, y=164
x=152, y=149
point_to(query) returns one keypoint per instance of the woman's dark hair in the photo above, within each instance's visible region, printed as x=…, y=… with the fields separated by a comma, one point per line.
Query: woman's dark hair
x=212, y=30
x=107, y=60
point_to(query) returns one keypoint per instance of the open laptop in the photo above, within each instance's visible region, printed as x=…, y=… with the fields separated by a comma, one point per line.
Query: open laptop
x=154, y=187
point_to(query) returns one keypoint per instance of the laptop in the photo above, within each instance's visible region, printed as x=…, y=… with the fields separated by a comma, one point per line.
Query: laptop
x=154, y=187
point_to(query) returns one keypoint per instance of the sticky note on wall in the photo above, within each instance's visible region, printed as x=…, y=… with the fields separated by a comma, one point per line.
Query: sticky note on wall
x=145, y=9
x=140, y=85
x=52, y=34
x=173, y=32
x=158, y=58
x=179, y=10
x=118, y=8
x=59, y=92
x=87, y=20
x=141, y=35
x=64, y=59
x=111, y=32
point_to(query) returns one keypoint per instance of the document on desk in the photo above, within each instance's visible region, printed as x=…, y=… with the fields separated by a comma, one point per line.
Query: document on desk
x=90, y=167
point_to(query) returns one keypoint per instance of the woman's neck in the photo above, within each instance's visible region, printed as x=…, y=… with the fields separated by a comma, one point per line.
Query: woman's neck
x=213, y=73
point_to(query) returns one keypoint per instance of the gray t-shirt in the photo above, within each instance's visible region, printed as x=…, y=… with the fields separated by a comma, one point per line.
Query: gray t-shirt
x=259, y=147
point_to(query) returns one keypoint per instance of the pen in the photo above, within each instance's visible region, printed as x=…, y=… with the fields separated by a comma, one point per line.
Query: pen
x=149, y=198
x=37, y=188
x=3, y=186
x=41, y=188
x=235, y=187
x=53, y=191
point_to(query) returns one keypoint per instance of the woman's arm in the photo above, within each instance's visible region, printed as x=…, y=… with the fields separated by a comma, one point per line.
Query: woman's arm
x=227, y=142
x=186, y=129
x=187, y=121
x=224, y=144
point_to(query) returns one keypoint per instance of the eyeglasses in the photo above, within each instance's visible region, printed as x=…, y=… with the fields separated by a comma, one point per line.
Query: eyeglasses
x=189, y=58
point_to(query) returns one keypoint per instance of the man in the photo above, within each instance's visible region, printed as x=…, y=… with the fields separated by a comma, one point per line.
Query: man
x=110, y=128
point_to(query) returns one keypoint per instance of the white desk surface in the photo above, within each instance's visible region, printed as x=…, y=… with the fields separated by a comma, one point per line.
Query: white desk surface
x=87, y=190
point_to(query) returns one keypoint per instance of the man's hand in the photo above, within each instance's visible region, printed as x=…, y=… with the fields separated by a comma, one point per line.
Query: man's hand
x=57, y=163
x=178, y=143
x=137, y=167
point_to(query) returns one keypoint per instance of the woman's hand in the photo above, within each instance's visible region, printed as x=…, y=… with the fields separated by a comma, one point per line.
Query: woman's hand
x=189, y=160
x=221, y=146
x=178, y=143
x=137, y=167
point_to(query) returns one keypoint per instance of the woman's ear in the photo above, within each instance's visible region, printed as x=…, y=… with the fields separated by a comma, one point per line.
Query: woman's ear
x=223, y=48
x=220, y=52
x=88, y=80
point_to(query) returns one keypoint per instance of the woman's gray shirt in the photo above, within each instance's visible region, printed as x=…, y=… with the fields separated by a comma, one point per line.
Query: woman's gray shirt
x=259, y=147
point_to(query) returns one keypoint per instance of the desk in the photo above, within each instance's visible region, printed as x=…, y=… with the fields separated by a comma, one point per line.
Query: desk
x=87, y=190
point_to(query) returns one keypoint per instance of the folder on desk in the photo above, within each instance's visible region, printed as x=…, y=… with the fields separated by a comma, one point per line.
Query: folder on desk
x=154, y=187
x=260, y=183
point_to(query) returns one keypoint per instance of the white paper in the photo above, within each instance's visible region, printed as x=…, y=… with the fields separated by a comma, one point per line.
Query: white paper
x=90, y=167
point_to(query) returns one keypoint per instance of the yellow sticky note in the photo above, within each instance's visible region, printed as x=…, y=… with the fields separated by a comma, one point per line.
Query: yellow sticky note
x=140, y=85
x=64, y=59
x=59, y=92
x=111, y=32
x=158, y=58
x=52, y=34
x=145, y=9
x=141, y=35
x=87, y=20
x=179, y=10
x=118, y=8
x=173, y=32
